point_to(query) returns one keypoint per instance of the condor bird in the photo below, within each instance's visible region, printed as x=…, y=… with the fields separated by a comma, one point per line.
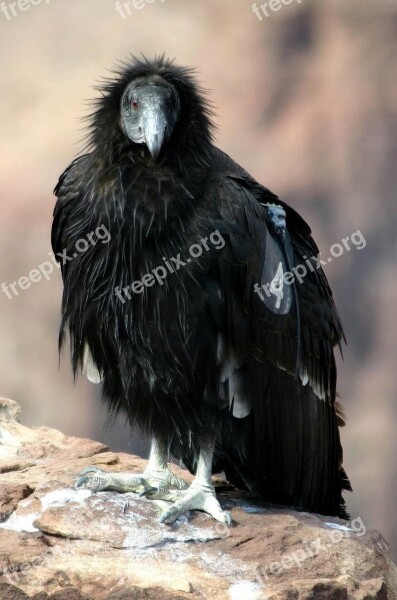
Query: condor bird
x=206, y=316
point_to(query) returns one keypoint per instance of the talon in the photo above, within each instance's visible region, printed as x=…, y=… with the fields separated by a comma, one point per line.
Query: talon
x=81, y=481
x=148, y=492
x=169, y=517
x=226, y=517
x=90, y=470
x=201, y=498
x=91, y=483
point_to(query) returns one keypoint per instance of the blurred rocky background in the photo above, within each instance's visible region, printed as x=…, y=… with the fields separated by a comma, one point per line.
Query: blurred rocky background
x=306, y=100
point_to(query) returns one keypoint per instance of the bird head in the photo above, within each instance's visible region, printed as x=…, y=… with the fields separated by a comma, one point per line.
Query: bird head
x=154, y=105
x=150, y=109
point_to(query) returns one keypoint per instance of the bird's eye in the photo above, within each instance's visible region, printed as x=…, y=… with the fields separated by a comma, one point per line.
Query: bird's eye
x=134, y=105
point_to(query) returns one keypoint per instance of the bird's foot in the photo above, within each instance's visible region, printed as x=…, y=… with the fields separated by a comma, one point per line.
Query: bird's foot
x=154, y=483
x=198, y=496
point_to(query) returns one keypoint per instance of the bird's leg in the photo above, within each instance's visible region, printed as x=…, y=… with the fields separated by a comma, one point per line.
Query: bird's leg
x=201, y=493
x=155, y=480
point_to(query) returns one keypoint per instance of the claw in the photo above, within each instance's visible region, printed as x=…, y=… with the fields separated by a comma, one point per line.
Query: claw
x=197, y=498
x=148, y=492
x=169, y=516
x=93, y=479
x=81, y=481
x=89, y=470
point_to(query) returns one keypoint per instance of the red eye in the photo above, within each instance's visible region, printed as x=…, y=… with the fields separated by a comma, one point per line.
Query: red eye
x=135, y=105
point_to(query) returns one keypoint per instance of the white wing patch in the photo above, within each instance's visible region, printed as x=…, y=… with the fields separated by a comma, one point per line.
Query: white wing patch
x=89, y=367
x=231, y=381
x=317, y=387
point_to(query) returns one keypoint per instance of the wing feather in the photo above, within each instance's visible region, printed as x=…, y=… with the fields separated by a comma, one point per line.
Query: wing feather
x=255, y=251
x=288, y=447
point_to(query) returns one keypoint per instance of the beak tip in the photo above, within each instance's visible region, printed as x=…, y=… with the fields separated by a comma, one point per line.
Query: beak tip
x=154, y=152
x=154, y=145
x=154, y=137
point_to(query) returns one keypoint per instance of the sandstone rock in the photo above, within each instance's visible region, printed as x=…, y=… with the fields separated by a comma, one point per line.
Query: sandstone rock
x=9, y=409
x=66, y=544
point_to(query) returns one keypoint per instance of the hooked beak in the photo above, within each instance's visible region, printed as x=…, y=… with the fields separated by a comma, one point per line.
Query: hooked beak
x=154, y=128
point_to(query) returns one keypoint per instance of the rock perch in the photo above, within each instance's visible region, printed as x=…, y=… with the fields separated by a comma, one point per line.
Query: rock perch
x=66, y=544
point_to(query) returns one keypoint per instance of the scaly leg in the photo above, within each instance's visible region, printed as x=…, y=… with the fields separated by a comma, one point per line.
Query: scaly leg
x=156, y=480
x=201, y=493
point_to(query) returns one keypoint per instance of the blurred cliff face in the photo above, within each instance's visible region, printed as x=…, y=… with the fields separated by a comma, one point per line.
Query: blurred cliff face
x=306, y=100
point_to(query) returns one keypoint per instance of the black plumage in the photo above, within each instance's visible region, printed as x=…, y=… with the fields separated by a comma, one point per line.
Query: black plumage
x=200, y=351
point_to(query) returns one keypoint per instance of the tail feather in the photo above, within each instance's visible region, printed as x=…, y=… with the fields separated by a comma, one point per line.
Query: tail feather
x=288, y=449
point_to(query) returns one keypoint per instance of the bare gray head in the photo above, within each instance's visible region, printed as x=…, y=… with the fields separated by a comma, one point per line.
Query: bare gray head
x=149, y=112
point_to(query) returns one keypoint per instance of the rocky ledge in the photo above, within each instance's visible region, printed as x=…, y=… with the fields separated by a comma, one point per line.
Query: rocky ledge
x=66, y=544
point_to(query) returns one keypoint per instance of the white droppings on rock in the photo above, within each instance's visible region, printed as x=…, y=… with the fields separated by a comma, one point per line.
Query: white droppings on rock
x=247, y=590
x=337, y=526
x=224, y=566
x=24, y=522
x=20, y=522
x=7, y=439
x=63, y=496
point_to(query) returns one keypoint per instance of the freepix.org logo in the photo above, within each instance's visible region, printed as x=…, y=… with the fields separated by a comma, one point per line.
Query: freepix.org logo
x=46, y=268
x=267, y=8
x=13, y=9
x=276, y=287
x=160, y=273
